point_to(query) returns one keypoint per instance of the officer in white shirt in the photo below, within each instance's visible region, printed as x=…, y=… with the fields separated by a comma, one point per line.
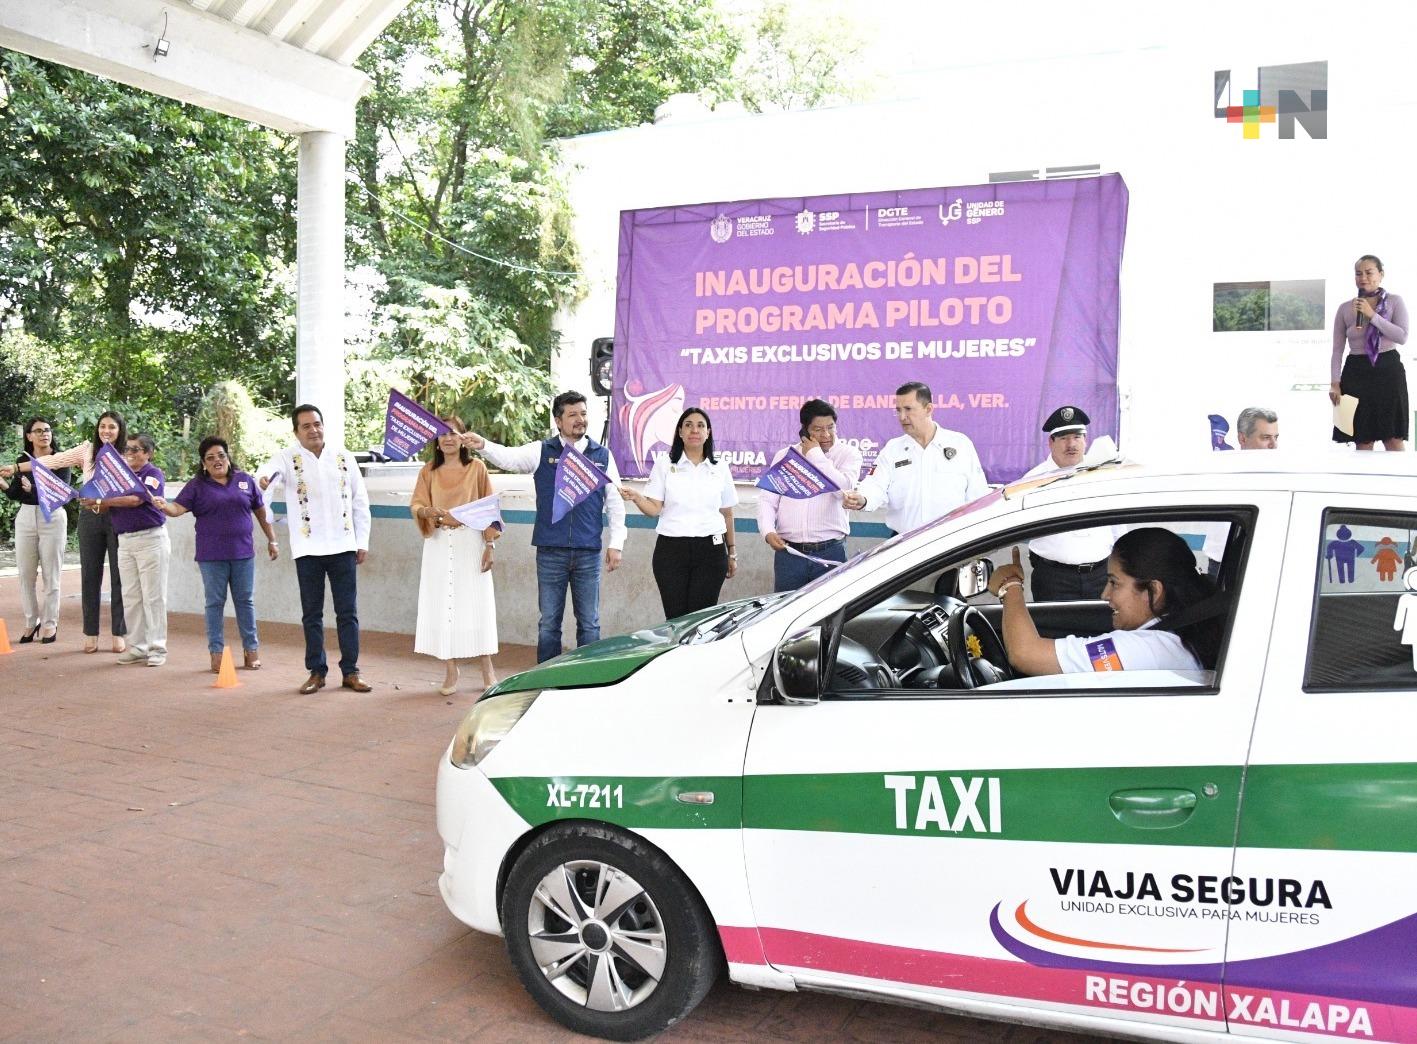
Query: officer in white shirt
x=922, y=474
x=1069, y=566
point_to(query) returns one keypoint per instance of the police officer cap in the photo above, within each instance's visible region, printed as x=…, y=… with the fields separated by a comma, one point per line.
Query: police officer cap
x=1065, y=420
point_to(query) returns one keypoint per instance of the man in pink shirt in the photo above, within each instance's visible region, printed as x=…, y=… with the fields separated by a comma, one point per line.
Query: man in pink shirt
x=817, y=526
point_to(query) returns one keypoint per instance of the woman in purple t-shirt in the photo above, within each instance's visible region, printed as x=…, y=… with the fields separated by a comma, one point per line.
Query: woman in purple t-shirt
x=223, y=500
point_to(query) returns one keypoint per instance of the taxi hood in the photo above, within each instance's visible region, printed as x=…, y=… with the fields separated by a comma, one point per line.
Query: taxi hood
x=610, y=660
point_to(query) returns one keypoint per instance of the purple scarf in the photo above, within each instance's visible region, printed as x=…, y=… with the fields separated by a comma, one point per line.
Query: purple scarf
x=1374, y=338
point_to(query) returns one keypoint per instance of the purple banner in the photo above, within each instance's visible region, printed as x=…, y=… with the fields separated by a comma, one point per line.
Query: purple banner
x=408, y=427
x=1002, y=298
x=796, y=477
x=50, y=490
x=112, y=477
x=479, y=514
x=577, y=477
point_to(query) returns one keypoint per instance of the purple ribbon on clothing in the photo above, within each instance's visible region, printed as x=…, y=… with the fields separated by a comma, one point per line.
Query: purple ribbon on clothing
x=1374, y=339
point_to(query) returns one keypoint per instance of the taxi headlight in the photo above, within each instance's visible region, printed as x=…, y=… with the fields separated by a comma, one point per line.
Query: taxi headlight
x=487, y=724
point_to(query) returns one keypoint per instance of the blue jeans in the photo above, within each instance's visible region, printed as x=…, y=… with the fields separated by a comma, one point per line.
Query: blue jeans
x=311, y=571
x=790, y=572
x=557, y=567
x=238, y=574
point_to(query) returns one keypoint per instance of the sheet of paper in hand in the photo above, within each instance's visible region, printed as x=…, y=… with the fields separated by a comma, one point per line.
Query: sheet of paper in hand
x=479, y=514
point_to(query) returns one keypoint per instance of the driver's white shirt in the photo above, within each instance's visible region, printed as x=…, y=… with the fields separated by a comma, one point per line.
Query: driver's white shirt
x=1145, y=649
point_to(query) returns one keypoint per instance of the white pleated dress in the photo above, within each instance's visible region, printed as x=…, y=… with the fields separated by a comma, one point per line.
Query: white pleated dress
x=457, y=609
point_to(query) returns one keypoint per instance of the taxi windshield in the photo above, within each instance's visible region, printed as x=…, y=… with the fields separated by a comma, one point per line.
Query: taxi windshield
x=741, y=614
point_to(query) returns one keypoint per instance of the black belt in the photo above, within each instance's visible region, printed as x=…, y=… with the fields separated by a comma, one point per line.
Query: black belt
x=807, y=549
x=1085, y=567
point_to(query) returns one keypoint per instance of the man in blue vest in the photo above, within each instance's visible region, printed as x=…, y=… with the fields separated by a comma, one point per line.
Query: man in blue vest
x=568, y=552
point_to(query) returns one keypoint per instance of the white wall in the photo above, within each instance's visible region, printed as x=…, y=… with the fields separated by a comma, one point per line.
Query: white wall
x=1127, y=88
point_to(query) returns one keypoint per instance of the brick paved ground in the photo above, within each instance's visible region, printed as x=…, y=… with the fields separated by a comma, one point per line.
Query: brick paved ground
x=179, y=862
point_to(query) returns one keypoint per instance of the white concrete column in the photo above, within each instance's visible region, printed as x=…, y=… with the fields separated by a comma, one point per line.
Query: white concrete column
x=319, y=308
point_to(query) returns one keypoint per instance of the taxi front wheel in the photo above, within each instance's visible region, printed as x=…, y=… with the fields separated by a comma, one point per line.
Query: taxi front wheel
x=606, y=934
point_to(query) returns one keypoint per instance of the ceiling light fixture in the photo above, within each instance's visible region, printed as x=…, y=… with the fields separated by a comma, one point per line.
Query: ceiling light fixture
x=163, y=44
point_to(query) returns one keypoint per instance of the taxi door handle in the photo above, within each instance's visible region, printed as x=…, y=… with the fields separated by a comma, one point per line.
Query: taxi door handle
x=1153, y=808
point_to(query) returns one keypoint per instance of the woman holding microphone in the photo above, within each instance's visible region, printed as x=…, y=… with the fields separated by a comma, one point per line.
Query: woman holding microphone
x=1371, y=326
x=691, y=493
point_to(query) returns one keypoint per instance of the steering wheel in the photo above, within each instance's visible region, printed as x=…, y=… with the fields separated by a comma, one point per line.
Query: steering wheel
x=972, y=669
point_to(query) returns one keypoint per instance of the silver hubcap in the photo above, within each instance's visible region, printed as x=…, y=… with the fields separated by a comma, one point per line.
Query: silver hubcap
x=596, y=935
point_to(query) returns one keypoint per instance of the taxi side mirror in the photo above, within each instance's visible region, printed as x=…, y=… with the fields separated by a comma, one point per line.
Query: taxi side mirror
x=797, y=668
x=972, y=578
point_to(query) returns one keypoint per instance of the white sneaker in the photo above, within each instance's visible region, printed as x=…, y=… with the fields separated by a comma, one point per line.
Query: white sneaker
x=157, y=659
x=132, y=656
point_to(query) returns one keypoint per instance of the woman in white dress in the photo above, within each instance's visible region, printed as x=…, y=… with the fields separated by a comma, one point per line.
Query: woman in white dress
x=457, y=610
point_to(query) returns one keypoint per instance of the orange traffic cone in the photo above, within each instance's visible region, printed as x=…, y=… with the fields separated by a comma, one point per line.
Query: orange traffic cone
x=226, y=677
x=4, y=640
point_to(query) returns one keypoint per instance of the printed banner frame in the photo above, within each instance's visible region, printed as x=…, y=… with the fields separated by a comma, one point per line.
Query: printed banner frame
x=1002, y=298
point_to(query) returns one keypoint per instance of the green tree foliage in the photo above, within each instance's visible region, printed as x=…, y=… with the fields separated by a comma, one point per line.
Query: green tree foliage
x=458, y=136
x=146, y=246
x=799, y=55
x=252, y=433
x=144, y=233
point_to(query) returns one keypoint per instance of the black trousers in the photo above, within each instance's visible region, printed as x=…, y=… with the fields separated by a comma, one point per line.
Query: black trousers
x=690, y=572
x=1057, y=582
x=97, y=539
x=343, y=574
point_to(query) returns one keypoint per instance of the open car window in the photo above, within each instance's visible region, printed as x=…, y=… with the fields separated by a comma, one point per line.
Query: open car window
x=921, y=636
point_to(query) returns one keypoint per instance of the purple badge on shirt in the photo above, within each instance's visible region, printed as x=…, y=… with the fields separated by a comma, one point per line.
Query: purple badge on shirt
x=1103, y=654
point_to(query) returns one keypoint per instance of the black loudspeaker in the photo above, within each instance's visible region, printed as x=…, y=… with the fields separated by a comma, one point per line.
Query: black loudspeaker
x=602, y=359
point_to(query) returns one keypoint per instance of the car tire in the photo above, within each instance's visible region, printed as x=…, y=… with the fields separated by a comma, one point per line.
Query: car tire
x=607, y=935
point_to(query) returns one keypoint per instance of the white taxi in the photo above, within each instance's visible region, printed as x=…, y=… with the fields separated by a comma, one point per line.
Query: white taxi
x=849, y=788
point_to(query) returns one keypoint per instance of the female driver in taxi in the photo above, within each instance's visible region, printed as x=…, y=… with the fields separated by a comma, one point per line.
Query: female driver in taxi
x=1151, y=576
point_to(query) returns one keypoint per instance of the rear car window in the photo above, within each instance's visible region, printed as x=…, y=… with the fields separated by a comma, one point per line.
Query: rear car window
x=1364, y=631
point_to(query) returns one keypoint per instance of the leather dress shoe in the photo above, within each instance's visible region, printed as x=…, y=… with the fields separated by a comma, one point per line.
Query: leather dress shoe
x=355, y=682
x=314, y=683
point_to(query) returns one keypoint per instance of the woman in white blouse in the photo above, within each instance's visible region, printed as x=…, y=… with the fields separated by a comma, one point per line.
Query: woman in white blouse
x=691, y=493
